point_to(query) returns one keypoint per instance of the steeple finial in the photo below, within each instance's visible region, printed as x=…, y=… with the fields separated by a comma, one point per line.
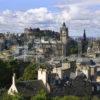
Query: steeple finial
x=13, y=78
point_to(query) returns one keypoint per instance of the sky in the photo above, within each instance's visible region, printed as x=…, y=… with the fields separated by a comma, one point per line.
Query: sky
x=15, y=15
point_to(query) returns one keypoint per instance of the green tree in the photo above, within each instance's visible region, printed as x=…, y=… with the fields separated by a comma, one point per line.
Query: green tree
x=86, y=98
x=43, y=66
x=30, y=72
x=95, y=98
x=66, y=98
x=13, y=66
x=72, y=47
x=5, y=74
x=56, y=98
x=40, y=96
x=70, y=98
x=5, y=96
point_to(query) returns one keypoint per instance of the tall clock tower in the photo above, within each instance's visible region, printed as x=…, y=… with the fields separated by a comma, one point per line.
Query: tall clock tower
x=64, y=37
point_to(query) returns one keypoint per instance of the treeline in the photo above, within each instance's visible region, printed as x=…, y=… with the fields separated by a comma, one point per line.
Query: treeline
x=43, y=96
x=28, y=71
x=24, y=71
x=7, y=68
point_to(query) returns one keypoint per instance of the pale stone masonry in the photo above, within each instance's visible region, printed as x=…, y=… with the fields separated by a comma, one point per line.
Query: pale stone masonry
x=13, y=89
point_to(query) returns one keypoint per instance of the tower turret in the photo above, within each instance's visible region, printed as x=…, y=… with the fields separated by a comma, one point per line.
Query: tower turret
x=64, y=33
x=64, y=38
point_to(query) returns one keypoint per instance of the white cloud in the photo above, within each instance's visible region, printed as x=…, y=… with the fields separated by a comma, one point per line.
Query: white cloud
x=20, y=19
x=82, y=14
x=76, y=13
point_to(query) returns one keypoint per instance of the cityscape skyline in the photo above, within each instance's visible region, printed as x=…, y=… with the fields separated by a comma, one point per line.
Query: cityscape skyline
x=51, y=49
x=78, y=15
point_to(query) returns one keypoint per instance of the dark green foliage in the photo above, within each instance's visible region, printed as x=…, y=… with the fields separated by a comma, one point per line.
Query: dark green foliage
x=76, y=98
x=86, y=98
x=43, y=96
x=4, y=73
x=72, y=47
x=43, y=66
x=5, y=96
x=84, y=46
x=40, y=96
x=71, y=98
x=7, y=68
x=95, y=98
x=30, y=72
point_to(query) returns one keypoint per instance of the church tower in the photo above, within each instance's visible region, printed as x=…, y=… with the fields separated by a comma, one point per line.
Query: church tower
x=64, y=34
x=64, y=37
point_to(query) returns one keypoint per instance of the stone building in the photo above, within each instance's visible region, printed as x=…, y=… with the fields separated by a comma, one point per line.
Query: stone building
x=93, y=49
x=60, y=80
x=27, y=88
x=49, y=46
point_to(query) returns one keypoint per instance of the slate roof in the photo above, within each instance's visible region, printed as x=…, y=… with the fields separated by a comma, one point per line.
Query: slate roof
x=58, y=86
x=30, y=88
x=95, y=85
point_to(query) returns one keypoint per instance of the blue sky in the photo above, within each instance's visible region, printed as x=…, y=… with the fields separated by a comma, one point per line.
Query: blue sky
x=26, y=4
x=15, y=15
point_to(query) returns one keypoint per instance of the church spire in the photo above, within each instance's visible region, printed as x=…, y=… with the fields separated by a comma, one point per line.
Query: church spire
x=84, y=35
x=12, y=90
x=84, y=42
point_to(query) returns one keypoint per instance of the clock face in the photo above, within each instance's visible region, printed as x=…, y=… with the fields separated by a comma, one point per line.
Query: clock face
x=63, y=32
